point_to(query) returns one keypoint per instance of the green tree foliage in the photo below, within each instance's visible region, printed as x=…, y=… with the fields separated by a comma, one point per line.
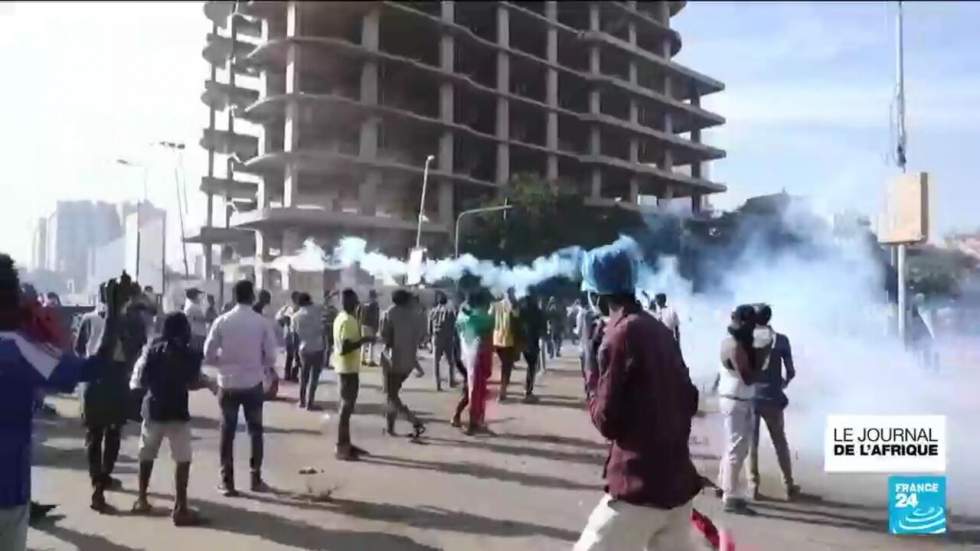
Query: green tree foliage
x=936, y=271
x=545, y=217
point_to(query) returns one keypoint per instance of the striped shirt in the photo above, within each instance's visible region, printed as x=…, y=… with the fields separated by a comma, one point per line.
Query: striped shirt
x=442, y=323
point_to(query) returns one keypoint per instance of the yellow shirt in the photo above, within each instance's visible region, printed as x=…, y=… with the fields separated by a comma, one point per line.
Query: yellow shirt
x=503, y=332
x=346, y=328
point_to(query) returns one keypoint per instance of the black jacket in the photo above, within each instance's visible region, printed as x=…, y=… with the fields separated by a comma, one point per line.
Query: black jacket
x=171, y=370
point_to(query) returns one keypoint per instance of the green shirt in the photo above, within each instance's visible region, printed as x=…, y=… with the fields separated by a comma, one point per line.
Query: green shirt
x=346, y=328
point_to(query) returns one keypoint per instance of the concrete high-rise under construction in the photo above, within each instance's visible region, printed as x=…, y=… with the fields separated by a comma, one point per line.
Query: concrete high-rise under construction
x=338, y=106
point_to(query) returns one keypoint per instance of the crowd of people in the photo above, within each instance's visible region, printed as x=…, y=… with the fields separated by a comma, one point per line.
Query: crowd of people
x=140, y=365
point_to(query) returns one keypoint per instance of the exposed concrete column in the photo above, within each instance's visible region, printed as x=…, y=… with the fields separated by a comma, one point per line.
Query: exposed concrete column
x=290, y=193
x=291, y=242
x=696, y=200
x=595, y=101
x=664, y=12
x=634, y=196
x=261, y=255
x=503, y=105
x=291, y=130
x=367, y=191
x=447, y=109
x=265, y=136
x=695, y=101
x=551, y=136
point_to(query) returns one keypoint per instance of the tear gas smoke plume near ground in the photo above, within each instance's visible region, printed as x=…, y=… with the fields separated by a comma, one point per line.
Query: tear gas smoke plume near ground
x=827, y=295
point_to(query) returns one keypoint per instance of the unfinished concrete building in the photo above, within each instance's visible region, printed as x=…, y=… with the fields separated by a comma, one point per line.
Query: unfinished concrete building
x=350, y=99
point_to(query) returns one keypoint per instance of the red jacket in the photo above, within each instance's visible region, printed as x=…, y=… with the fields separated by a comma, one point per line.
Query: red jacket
x=641, y=398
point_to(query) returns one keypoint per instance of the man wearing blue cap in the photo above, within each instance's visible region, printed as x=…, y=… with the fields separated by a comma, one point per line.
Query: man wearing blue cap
x=640, y=398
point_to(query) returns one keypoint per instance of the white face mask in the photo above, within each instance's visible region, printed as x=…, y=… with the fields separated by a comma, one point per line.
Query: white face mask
x=594, y=307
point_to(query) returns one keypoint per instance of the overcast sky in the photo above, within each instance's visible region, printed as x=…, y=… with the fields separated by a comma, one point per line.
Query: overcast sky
x=808, y=98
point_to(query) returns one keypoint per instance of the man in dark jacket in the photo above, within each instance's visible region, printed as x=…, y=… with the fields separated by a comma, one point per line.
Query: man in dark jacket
x=167, y=370
x=769, y=402
x=640, y=397
x=106, y=401
x=533, y=327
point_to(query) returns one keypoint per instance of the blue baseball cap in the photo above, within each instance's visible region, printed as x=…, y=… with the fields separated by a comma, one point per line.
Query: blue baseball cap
x=611, y=269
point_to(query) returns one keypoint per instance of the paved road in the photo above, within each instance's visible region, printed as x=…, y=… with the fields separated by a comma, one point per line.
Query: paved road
x=530, y=487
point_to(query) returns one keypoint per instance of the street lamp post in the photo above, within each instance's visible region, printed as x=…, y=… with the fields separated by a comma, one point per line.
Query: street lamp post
x=475, y=211
x=177, y=148
x=425, y=184
x=139, y=209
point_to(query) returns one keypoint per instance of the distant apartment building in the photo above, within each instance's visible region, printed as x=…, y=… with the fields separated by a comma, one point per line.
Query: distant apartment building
x=65, y=241
x=339, y=104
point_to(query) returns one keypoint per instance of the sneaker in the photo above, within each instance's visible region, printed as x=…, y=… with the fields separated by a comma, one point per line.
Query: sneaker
x=39, y=511
x=112, y=483
x=792, y=492
x=739, y=507
x=456, y=422
x=227, y=490
x=359, y=451
x=300, y=405
x=259, y=485
x=755, y=494
x=346, y=454
x=100, y=505
x=314, y=407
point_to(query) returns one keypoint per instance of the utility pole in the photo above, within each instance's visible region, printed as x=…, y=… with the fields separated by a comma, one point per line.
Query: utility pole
x=900, y=159
x=178, y=149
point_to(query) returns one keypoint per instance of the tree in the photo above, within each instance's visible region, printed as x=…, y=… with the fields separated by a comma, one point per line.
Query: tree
x=545, y=217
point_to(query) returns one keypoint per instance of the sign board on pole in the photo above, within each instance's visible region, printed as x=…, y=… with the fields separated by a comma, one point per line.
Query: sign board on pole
x=416, y=258
x=906, y=216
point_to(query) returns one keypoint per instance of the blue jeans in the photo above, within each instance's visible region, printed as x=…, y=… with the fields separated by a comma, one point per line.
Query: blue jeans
x=250, y=400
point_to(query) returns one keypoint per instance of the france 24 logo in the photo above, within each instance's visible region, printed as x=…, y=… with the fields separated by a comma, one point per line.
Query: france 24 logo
x=917, y=504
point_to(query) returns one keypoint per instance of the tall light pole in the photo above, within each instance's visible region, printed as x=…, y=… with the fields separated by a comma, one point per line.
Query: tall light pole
x=178, y=148
x=475, y=211
x=425, y=184
x=139, y=209
x=900, y=158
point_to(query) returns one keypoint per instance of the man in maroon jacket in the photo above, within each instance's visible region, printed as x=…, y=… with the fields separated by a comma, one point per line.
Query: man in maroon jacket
x=641, y=399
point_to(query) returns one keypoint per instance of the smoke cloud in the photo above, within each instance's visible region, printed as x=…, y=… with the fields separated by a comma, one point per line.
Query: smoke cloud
x=828, y=296
x=353, y=251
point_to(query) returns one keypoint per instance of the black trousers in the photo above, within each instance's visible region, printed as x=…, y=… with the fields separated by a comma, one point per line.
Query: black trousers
x=250, y=400
x=445, y=350
x=393, y=386
x=309, y=377
x=102, y=447
x=350, y=384
x=531, y=357
x=294, y=361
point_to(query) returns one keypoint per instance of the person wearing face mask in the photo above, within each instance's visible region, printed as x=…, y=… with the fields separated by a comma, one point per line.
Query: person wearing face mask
x=735, y=395
x=640, y=397
x=197, y=318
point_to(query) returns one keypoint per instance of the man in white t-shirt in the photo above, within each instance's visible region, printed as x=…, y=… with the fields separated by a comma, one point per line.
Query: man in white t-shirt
x=197, y=318
x=667, y=315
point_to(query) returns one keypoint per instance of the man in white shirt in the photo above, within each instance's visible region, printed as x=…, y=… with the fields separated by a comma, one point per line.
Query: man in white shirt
x=242, y=345
x=197, y=318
